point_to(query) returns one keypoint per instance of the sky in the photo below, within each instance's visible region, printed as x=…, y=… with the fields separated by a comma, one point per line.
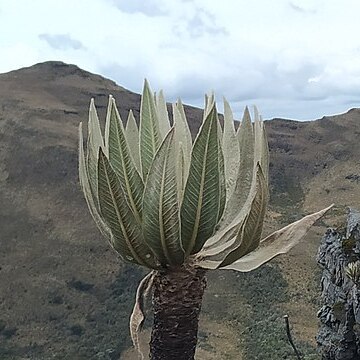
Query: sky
x=296, y=59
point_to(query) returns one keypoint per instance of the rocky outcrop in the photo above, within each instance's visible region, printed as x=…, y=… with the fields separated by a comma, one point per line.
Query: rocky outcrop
x=339, y=253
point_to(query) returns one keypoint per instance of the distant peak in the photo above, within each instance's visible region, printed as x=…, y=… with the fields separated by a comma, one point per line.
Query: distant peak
x=58, y=67
x=54, y=64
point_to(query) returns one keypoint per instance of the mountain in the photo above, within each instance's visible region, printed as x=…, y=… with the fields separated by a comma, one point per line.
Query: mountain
x=64, y=294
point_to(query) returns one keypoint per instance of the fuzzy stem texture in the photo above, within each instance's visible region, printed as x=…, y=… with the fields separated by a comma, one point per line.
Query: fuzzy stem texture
x=177, y=303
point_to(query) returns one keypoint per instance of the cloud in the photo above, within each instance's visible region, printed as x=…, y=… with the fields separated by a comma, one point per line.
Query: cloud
x=149, y=7
x=301, y=8
x=200, y=23
x=61, y=41
x=203, y=22
x=288, y=58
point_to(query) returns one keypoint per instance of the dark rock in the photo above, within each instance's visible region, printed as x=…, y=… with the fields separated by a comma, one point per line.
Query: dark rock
x=76, y=330
x=80, y=285
x=339, y=334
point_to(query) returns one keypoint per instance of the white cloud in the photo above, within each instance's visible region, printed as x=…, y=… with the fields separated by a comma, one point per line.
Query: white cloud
x=61, y=41
x=296, y=59
x=149, y=7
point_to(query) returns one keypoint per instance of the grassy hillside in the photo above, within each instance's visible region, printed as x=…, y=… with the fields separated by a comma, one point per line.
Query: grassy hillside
x=65, y=295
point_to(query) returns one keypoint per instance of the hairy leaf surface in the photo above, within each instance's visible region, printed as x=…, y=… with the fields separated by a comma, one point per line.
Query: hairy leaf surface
x=128, y=237
x=183, y=145
x=245, y=174
x=226, y=240
x=122, y=162
x=279, y=242
x=95, y=141
x=182, y=131
x=261, y=152
x=231, y=150
x=149, y=130
x=132, y=137
x=161, y=218
x=201, y=201
x=249, y=238
x=163, y=116
x=85, y=185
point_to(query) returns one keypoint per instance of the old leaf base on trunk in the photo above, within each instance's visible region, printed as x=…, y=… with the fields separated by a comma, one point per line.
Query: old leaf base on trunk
x=176, y=303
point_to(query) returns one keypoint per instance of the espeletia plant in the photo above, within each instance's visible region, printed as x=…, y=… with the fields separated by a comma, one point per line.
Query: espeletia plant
x=180, y=207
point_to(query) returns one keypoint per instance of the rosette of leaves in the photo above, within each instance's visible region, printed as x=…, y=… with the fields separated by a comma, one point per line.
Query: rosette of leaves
x=180, y=207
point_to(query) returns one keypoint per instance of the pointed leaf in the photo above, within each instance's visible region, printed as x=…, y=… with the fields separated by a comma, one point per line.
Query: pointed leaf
x=149, y=130
x=132, y=137
x=246, y=171
x=183, y=144
x=209, y=103
x=222, y=185
x=95, y=141
x=231, y=150
x=200, y=206
x=182, y=131
x=261, y=144
x=249, y=238
x=128, y=238
x=265, y=152
x=107, y=125
x=161, y=219
x=180, y=172
x=227, y=239
x=85, y=185
x=122, y=163
x=279, y=242
x=163, y=116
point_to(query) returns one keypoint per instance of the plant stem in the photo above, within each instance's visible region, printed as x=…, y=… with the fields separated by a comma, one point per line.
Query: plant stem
x=177, y=303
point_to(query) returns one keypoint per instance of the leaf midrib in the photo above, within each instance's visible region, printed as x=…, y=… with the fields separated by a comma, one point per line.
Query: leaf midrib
x=161, y=222
x=127, y=182
x=123, y=229
x=200, y=199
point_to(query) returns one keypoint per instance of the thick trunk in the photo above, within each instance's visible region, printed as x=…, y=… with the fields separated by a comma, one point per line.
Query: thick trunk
x=177, y=303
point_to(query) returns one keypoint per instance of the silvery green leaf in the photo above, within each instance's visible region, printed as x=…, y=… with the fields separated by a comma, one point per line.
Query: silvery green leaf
x=279, y=242
x=132, y=137
x=122, y=162
x=183, y=141
x=246, y=171
x=201, y=201
x=95, y=141
x=107, y=124
x=161, y=218
x=209, y=103
x=249, y=238
x=261, y=144
x=180, y=171
x=149, y=130
x=231, y=150
x=182, y=131
x=222, y=184
x=265, y=151
x=229, y=238
x=85, y=185
x=163, y=116
x=127, y=232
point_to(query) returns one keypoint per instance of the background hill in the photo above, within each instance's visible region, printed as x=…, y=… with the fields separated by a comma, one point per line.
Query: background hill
x=65, y=295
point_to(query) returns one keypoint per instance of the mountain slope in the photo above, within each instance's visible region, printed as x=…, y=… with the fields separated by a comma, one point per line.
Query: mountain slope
x=63, y=292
